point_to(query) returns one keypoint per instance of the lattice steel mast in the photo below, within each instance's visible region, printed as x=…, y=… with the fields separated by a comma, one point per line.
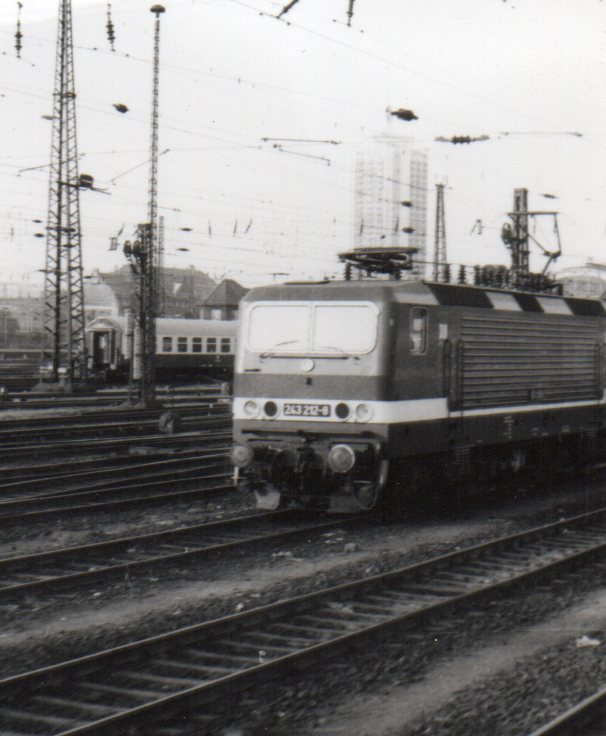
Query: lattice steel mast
x=439, y=251
x=63, y=340
x=520, y=250
x=143, y=255
x=160, y=280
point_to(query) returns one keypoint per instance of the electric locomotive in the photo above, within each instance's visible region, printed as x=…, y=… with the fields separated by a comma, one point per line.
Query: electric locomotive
x=347, y=393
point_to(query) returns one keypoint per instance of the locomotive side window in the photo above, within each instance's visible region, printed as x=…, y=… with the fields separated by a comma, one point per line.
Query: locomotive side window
x=225, y=344
x=167, y=344
x=418, y=331
x=211, y=345
x=196, y=344
x=181, y=344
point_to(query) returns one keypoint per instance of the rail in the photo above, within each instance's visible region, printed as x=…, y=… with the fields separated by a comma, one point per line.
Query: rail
x=152, y=681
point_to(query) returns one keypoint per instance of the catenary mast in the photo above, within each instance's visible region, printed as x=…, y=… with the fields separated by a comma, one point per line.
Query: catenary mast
x=144, y=257
x=64, y=346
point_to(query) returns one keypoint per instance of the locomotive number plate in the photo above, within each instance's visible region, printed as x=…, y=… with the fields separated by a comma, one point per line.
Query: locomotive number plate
x=306, y=410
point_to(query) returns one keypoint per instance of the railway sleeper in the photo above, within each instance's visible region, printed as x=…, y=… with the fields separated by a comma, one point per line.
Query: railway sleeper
x=286, y=639
x=164, y=682
x=247, y=643
x=115, y=692
x=184, y=666
x=203, y=655
x=20, y=716
x=75, y=706
x=316, y=633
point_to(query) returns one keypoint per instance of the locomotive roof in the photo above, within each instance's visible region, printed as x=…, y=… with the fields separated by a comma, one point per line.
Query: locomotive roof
x=428, y=293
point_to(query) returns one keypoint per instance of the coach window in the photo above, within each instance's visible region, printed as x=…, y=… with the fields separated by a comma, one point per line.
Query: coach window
x=196, y=344
x=418, y=331
x=167, y=344
x=211, y=345
x=225, y=344
x=181, y=344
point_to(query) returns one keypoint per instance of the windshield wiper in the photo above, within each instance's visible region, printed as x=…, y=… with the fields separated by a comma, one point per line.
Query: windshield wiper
x=341, y=351
x=269, y=353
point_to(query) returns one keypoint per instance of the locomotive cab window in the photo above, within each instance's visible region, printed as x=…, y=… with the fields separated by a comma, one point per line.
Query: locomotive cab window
x=418, y=331
x=338, y=328
x=225, y=344
x=312, y=328
x=167, y=344
x=211, y=345
x=181, y=344
x=196, y=344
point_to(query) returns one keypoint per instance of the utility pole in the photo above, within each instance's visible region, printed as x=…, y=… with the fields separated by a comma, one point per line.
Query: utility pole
x=439, y=250
x=143, y=256
x=64, y=345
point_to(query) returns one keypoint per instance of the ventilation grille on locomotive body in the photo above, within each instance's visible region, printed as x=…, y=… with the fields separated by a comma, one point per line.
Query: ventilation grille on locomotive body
x=509, y=362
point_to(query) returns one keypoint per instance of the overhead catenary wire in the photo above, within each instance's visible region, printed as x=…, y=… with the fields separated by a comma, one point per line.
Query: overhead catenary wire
x=279, y=208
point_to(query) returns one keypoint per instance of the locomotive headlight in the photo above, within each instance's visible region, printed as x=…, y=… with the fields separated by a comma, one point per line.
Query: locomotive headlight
x=241, y=455
x=363, y=412
x=341, y=458
x=270, y=408
x=251, y=408
x=342, y=411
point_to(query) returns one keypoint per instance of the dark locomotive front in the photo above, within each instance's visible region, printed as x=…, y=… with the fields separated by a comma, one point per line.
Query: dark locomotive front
x=309, y=385
x=340, y=386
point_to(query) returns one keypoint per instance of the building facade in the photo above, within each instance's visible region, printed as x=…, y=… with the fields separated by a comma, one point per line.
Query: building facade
x=390, y=195
x=587, y=281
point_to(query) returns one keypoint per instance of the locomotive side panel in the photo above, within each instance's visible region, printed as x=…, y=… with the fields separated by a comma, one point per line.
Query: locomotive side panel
x=528, y=359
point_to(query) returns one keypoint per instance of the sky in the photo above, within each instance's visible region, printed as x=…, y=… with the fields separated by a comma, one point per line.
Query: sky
x=530, y=74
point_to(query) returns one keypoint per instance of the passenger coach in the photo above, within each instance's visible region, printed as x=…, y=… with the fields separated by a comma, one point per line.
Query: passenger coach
x=186, y=349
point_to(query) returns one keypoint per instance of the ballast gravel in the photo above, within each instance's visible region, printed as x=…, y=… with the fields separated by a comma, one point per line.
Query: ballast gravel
x=34, y=633
x=353, y=696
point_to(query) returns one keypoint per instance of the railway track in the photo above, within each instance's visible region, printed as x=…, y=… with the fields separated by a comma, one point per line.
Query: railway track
x=174, y=446
x=588, y=718
x=170, y=396
x=207, y=481
x=20, y=434
x=93, y=562
x=139, y=471
x=146, y=683
x=214, y=432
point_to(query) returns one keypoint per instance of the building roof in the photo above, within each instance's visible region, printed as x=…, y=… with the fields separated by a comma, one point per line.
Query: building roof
x=182, y=286
x=226, y=294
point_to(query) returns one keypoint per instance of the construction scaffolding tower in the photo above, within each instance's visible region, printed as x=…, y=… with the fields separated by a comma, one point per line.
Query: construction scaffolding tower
x=439, y=250
x=64, y=347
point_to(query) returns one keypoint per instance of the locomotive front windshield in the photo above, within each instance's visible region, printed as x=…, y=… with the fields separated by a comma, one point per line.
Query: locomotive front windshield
x=316, y=328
